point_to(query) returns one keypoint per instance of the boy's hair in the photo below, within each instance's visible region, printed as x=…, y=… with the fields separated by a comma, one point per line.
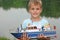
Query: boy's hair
x=35, y=2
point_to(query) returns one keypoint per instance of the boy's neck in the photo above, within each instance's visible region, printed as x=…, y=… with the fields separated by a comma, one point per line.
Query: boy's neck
x=36, y=19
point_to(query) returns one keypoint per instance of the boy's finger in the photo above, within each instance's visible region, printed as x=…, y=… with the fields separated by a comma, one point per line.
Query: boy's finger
x=41, y=36
x=24, y=34
x=28, y=38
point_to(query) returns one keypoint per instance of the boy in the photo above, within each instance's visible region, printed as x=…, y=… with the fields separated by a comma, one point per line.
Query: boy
x=35, y=9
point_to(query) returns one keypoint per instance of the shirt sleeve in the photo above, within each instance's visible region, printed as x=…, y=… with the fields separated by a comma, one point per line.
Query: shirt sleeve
x=47, y=25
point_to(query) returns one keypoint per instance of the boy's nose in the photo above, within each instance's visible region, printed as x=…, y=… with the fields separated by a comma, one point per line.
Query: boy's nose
x=35, y=10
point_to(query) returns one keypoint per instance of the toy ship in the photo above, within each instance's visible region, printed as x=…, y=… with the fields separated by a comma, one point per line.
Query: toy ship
x=33, y=32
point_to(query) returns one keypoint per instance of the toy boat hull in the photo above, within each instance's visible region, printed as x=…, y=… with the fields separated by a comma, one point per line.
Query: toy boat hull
x=35, y=34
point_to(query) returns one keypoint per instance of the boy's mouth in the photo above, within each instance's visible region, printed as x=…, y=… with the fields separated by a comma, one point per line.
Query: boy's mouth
x=34, y=13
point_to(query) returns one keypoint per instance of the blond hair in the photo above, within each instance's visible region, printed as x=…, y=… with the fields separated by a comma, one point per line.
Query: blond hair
x=35, y=2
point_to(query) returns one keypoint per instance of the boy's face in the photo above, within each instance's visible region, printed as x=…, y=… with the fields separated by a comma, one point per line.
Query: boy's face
x=35, y=10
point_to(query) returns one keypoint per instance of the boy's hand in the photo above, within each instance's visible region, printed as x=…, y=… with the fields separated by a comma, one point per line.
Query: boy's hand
x=42, y=37
x=24, y=36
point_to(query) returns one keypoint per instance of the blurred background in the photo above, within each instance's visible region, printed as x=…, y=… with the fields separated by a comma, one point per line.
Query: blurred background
x=13, y=13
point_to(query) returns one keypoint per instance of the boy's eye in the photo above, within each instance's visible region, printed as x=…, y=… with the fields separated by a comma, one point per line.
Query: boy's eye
x=37, y=8
x=32, y=8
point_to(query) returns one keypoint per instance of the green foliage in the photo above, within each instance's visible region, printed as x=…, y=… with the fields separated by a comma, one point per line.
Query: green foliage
x=50, y=7
x=3, y=38
x=6, y=4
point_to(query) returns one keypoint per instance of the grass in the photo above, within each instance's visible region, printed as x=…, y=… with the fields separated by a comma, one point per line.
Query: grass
x=4, y=38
